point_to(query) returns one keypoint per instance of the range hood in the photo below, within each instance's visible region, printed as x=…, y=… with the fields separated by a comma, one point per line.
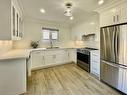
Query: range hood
x=88, y=37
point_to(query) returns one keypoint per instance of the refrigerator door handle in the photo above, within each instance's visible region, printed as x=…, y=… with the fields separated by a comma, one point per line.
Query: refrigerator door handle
x=113, y=44
x=115, y=65
x=117, y=43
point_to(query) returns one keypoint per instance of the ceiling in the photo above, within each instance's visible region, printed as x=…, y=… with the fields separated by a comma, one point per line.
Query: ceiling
x=55, y=9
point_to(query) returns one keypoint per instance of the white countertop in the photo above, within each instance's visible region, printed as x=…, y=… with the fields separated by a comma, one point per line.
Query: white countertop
x=16, y=54
x=50, y=49
x=23, y=53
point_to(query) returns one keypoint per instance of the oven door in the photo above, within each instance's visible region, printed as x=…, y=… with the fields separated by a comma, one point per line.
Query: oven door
x=83, y=61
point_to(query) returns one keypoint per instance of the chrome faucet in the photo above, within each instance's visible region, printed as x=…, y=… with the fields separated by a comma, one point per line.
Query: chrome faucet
x=51, y=43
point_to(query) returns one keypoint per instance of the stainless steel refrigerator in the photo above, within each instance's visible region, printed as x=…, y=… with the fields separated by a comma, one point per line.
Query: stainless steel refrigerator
x=114, y=56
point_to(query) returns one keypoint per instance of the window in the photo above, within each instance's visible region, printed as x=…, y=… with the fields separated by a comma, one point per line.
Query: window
x=50, y=34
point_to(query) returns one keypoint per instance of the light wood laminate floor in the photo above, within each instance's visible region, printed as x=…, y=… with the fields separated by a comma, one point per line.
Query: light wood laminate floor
x=66, y=80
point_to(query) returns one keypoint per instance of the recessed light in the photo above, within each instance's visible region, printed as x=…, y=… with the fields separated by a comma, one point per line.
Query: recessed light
x=92, y=23
x=71, y=18
x=42, y=10
x=100, y=2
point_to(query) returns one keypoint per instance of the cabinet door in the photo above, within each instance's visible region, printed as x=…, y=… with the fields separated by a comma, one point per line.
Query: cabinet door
x=62, y=57
x=95, y=63
x=37, y=59
x=107, y=18
x=50, y=59
x=72, y=55
x=123, y=15
x=110, y=17
x=13, y=20
x=17, y=24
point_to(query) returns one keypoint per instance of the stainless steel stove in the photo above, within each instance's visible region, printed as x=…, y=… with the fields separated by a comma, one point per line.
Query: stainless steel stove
x=83, y=58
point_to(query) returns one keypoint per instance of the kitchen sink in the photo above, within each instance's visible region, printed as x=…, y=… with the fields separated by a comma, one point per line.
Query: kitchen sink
x=52, y=47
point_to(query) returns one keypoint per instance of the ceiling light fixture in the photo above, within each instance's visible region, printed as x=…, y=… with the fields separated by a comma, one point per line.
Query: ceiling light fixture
x=100, y=2
x=42, y=10
x=68, y=11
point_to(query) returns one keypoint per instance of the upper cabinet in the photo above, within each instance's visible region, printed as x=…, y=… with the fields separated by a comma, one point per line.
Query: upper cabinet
x=123, y=13
x=113, y=14
x=110, y=17
x=11, y=22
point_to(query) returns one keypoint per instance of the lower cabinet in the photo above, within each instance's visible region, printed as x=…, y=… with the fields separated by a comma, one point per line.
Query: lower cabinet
x=72, y=53
x=95, y=63
x=37, y=59
x=13, y=80
x=44, y=58
x=49, y=59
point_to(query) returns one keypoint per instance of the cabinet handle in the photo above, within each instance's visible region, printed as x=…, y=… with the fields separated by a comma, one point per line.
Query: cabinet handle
x=114, y=19
x=43, y=58
x=21, y=35
x=38, y=52
x=68, y=55
x=54, y=56
x=117, y=18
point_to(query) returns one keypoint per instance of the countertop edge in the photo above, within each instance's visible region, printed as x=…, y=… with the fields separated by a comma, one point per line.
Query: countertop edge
x=23, y=53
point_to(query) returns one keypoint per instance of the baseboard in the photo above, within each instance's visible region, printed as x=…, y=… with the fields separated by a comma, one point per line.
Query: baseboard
x=50, y=65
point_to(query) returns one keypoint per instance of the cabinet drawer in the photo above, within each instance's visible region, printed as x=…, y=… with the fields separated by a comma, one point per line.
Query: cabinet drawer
x=54, y=52
x=49, y=52
x=38, y=52
x=95, y=58
x=96, y=62
x=93, y=64
x=49, y=59
x=96, y=74
x=96, y=70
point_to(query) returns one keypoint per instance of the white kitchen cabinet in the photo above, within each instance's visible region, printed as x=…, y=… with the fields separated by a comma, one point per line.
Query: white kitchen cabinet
x=37, y=59
x=45, y=58
x=13, y=76
x=113, y=15
x=123, y=14
x=95, y=63
x=106, y=19
x=62, y=56
x=49, y=59
x=10, y=20
x=110, y=17
x=72, y=55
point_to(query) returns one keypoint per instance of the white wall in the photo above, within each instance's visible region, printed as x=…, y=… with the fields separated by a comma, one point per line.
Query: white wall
x=33, y=32
x=70, y=36
x=5, y=46
x=91, y=25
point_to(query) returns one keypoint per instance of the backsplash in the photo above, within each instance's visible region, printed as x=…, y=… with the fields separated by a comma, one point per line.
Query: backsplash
x=5, y=46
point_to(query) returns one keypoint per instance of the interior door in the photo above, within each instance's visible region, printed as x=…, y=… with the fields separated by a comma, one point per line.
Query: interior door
x=108, y=43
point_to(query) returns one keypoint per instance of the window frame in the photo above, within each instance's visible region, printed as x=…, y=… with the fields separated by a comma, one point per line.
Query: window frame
x=51, y=30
